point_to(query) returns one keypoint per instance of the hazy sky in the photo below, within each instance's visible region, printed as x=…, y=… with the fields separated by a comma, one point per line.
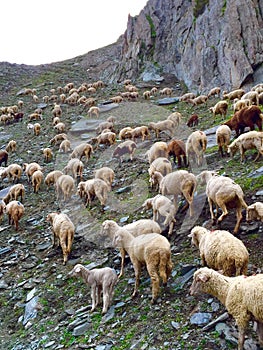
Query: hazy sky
x=45, y=31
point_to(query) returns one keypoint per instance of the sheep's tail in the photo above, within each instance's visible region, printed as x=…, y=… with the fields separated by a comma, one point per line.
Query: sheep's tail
x=241, y=199
x=261, y=115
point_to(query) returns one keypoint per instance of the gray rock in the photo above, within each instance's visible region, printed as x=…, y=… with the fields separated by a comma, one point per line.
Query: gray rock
x=81, y=329
x=200, y=318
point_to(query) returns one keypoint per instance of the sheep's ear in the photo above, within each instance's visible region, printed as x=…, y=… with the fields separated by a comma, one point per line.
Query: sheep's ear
x=203, y=277
x=77, y=269
x=191, y=235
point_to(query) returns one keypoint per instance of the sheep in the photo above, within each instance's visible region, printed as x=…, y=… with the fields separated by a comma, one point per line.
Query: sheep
x=187, y=96
x=101, y=280
x=14, y=192
x=176, y=117
x=116, y=99
x=37, y=179
x=249, y=140
x=57, y=111
x=63, y=232
x=3, y=157
x=136, y=228
x=106, y=174
x=160, y=164
x=125, y=133
x=13, y=172
x=125, y=147
x=105, y=125
x=195, y=146
x=11, y=146
x=65, y=146
x=162, y=207
x=139, y=131
x=94, y=188
x=163, y=125
x=60, y=127
x=193, y=121
x=241, y=295
x=220, y=250
x=147, y=95
x=64, y=186
x=223, y=135
x=30, y=168
x=239, y=104
x=224, y=193
x=94, y=110
x=75, y=167
x=84, y=149
x=238, y=93
x=252, y=96
x=219, y=108
x=111, y=119
x=36, y=129
x=2, y=210
x=198, y=100
x=153, y=250
x=214, y=91
x=52, y=177
x=15, y=210
x=35, y=116
x=176, y=149
x=154, y=91
x=48, y=154
x=176, y=183
x=158, y=149
x=166, y=91
x=57, y=139
x=106, y=138
x=254, y=212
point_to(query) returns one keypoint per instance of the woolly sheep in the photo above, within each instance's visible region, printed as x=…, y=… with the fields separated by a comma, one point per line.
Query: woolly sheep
x=37, y=129
x=48, y=154
x=94, y=111
x=152, y=250
x=84, y=149
x=140, y=131
x=105, y=125
x=106, y=174
x=15, y=211
x=176, y=149
x=239, y=104
x=255, y=212
x=65, y=146
x=94, y=188
x=13, y=172
x=106, y=138
x=125, y=133
x=158, y=149
x=187, y=96
x=30, y=168
x=162, y=207
x=63, y=232
x=163, y=125
x=11, y=146
x=52, y=177
x=224, y=193
x=160, y=164
x=37, y=179
x=101, y=280
x=241, y=295
x=176, y=117
x=57, y=111
x=196, y=144
x=249, y=140
x=60, y=127
x=176, y=183
x=220, y=250
x=214, y=91
x=198, y=100
x=64, y=186
x=75, y=168
x=3, y=157
x=166, y=91
x=147, y=95
x=57, y=139
x=252, y=96
x=14, y=193
x=233, y=94
x=136, y=228
x=193, y=120
x=219, y=108
x=126, y=147
x=223, y=135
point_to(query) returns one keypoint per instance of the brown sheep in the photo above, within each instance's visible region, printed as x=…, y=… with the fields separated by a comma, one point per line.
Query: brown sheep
x=84, y=149
x=14, y=193
x=15, y=211
x=48, y=154
x=3, y=157
x=13, y=172
x=30, y=168
x=126, y=147
x=176, y=149
x=11, y=146
x=193, y=121
x=65, y=187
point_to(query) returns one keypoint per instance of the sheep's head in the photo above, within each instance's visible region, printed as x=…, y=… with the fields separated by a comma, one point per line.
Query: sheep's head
x=147, y=204
x=76, y=271
x=196, y=233
x=201, y=277
x=50, y=217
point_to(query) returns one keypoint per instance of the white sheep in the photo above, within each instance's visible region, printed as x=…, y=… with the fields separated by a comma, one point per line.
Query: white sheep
x=65, y=146
x=162, y=207
x=162, y=165
x=37, y=179
x=239, y=104
x=105, y=138
x=13, y=172
x=196, y=144
x=65, y=186
x=152, y=250
x=198, y=100
x=94, y=188
x=219, y=108
x=57, y=139
x=11, y=146
x=136, y=228
x=84, y=149
x=187, y=96
x=125, y=133
x=241, y=295
x=37, y=129
x=252, y=96
x=158, y=149
x=101, y=280
x=126, y=147
x=214, y=91
x=176, y=117
x=14, y=193
x=63, y=232
x=106, y=174
x=105, y=125
x=30, y=168
x=15, y=210
x=140, y=131
x=94, y=111
x=75, y=168
x=166, y=125
x=223, y=136
x=220, y=250
x=48, y=154
x=176, y=183
x=224, y=193
x=60, y=127
x=52, y=177
x=238, y=93
x=255, y=211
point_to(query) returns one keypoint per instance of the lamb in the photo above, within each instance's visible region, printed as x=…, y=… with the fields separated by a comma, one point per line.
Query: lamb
x=176, y=183
x=241, y=295
x=139, y=131
x=57, y=139
x=106, y=138
x=246, y=117
x=48, y=154
x=214, y=91
x=65, y=146
x=248, y=140
x=106, y=174
x=163, y=125
x=37, y=129
x=195, y=146
x=158, y=149
x=153, y=250
x=3, y=157
x=238, y=93
x=84, y=149
x=136, y=228
x=75, y=167
x=15, y=210
x=52, y=177
x=105, y=125
x=223, y=135
x=37, y=179
x=126, y=147
x=176, y=149
x=94, y=110
x=13, y=172
x=219, y=108
x=94, y=188
x=193, y=121
x=63, y=232
x=64, y=186
x=11, y=146
x=30, y=168
x=60, y=127
x=162, y=207
x=14, y=193
x=255, y=212
x=224, y=193
x=220, y=250
x=101, y=280
x=239, y=104
x=160, y=164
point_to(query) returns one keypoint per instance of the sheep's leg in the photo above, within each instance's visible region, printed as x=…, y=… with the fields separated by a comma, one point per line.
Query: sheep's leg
x=106, y=298
x=93, y=296
x=239, y=218
x=98, y=295
x=260, y=332
x=224, y=209
x=152, y=270
x=137, y=269
x=155, y=215
x=64, y=250
x=210, y=202
x=122, y=251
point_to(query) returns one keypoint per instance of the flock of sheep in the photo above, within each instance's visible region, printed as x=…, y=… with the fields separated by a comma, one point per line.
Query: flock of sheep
x=143, y=240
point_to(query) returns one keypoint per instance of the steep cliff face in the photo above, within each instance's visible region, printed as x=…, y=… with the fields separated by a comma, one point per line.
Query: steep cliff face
x=203, y=43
